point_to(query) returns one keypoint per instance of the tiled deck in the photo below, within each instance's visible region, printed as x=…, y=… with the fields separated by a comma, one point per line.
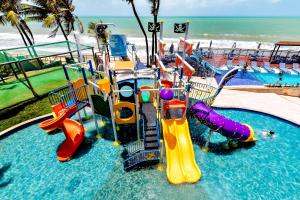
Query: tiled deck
x=284, y=107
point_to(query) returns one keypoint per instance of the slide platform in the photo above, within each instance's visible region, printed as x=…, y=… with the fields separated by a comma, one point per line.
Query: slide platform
x=181, y=163
x=221, y=124
x=72, y=129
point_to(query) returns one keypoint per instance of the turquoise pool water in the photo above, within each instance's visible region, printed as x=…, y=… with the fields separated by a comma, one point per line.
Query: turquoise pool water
x=271, y=78
x=268, y=170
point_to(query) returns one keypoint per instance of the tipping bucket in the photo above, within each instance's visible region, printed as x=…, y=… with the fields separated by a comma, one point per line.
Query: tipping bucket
x=104, y=85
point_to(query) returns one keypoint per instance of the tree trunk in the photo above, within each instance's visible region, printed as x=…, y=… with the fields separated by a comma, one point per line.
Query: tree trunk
x=155, y=21
x=143, y=30
x=24, y=41
x=31, y=44
x=152, y=49
x=66, y=37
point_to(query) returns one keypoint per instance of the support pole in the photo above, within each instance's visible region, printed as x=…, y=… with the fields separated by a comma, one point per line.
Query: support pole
x=137, y=113
x=113, y=120
x=208, y=140
x=161, y=35
x=90, y=99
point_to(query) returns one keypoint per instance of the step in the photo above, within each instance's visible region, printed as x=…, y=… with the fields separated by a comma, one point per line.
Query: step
x=151, y=145
x=150, y=133
x=150, y=128
x=140, y=158
x=150, y=139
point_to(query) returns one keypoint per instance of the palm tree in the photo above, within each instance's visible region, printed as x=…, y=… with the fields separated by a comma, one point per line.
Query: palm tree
x=154, y=11
x=57, y=14
x=141, y=27
x=10, y=12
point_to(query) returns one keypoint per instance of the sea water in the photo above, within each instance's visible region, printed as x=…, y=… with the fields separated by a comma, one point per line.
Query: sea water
x=223, y=31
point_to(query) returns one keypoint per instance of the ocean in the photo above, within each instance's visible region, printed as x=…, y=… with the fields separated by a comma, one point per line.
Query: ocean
x=248, y=32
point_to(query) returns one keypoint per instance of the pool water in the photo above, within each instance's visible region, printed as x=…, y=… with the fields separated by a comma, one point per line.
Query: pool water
x=267, y=170
x=256, y=78
x=271, y=78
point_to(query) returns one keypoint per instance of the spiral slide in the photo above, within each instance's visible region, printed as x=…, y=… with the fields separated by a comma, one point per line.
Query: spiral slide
x=221, y=124
x=181, y=163
x=73, y=131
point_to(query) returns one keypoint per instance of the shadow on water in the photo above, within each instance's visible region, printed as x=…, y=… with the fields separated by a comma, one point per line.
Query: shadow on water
x=4, y=169
x=218, y=148
x=200, y=139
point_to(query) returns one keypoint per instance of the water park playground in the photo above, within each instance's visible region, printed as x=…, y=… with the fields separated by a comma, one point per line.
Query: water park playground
x=120, y=132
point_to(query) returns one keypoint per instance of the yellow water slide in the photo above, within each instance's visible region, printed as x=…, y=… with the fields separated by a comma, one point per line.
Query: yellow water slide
x=181, y=163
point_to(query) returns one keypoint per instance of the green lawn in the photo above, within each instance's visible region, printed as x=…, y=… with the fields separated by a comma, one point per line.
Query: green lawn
x=43, y=81
x=33, y=110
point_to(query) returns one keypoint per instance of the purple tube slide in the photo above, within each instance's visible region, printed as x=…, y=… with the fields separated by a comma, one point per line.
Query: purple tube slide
x=221, y=124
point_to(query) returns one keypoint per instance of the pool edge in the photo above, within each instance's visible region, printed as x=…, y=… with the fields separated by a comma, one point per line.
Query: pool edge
x=24, y=124
x=258, y=111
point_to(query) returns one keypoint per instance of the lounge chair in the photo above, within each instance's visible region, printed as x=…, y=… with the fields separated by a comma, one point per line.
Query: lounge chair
x=283, y=68
x=229, y=64
x=296, y=68
x=256, y=68
x=268, y=67
x=242, y=63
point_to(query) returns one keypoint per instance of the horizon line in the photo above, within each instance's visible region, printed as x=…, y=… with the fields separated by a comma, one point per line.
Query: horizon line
x=192, y=16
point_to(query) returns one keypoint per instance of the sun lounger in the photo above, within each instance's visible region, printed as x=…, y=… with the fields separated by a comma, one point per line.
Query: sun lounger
x=256, y=68
x=268, y=68
x=283, y=68
x=229, y=64
x=296, y=68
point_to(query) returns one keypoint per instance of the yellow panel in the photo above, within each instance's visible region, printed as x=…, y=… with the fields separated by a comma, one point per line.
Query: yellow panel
x=80, y=93
x=118, y=106
x=123, y=65
x=181, y=163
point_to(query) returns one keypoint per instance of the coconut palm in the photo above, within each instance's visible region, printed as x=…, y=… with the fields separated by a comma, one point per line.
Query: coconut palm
x=56, y=14
x=155, y=4
x=10, y=12
x=131, y=2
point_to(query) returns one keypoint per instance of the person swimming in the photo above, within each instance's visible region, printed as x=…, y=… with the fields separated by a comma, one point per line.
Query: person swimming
x=269, y=133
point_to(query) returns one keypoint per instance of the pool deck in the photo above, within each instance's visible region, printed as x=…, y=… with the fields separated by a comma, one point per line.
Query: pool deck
x=284, y=107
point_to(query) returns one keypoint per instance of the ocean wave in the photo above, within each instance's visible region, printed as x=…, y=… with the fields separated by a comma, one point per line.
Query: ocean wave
x=10, y=40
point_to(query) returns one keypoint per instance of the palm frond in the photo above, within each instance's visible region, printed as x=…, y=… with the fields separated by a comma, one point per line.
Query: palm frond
x=2, y=20
x=49, y=21
x=12, y=17
x=53, y=33
x=80, y=24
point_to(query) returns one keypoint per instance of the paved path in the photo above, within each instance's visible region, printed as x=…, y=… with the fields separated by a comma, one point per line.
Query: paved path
x=284, y=107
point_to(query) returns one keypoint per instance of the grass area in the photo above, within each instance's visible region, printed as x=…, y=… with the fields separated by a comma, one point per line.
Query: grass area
x=33, y=110
x=43, y=81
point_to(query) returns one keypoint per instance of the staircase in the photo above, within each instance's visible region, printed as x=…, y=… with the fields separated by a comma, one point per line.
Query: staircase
x=149, y=151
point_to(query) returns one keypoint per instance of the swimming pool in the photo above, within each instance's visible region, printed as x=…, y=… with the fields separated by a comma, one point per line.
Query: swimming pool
x=271, y=78
x=257, y=78
x=267, y=170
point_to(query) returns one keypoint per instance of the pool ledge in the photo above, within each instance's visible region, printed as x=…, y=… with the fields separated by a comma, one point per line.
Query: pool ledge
x=24, y=125
x=284, y=107
x=287, y=91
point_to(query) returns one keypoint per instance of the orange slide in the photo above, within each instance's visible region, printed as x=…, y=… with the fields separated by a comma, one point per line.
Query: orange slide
x=72, y=129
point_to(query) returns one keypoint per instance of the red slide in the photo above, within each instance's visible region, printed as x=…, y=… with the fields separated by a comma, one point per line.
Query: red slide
x=73, y=131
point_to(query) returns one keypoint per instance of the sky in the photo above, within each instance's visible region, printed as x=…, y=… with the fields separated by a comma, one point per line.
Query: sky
x=191, y=8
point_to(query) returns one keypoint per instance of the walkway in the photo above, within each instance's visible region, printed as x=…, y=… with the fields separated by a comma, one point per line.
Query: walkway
x=284, y=107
